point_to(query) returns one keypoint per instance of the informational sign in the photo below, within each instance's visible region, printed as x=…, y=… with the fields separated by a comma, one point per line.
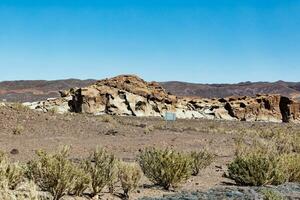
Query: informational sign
x=170, y=116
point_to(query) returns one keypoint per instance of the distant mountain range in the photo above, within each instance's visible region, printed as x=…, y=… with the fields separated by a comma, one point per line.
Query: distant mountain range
x=26, y=91
x=290, y=89
x=37, y=90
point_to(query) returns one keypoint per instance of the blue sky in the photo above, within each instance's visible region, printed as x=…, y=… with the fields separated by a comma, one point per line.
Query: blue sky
x=205, y=41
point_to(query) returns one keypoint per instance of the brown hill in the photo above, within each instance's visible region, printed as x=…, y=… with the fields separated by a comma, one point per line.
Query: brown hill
x=290, y=89
x=37, y=90
x=28, y=91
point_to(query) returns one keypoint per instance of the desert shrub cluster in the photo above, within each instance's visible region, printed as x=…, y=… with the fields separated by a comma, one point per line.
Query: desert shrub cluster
x=270, y=162
x=102, y=168
x=165, y=167
x=129, y=175
x=58, y=175
x=168, y=168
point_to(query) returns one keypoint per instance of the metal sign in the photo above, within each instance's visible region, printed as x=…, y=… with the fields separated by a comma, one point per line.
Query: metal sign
x=170, y=116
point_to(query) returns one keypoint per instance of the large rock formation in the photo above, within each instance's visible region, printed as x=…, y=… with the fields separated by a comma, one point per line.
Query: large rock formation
x=130, y=95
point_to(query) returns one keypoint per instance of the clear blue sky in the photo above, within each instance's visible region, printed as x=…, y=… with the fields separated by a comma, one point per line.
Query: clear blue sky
x=206, y=41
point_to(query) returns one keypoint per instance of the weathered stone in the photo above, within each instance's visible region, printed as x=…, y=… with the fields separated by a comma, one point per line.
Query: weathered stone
x=130, y=95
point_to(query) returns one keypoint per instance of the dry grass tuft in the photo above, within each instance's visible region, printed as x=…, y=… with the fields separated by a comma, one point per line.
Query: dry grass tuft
x=102, y=168
x=200, y=160
x=129, y=176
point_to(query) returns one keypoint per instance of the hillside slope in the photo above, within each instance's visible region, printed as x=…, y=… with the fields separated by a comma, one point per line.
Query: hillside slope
x=28, y=91
x=37, y=90
x=290, y=89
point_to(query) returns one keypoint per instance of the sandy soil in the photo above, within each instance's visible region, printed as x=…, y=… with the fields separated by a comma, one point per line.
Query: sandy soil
x=27, y=131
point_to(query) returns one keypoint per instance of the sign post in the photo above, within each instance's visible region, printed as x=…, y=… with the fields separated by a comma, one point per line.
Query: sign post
x=169, y=117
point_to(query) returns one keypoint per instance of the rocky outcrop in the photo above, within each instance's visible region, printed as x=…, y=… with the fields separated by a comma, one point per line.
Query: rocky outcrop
x=123, y=95
x=130, y=95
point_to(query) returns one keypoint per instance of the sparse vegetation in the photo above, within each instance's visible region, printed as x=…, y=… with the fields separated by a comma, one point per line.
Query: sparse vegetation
x=271, y=156
x=108, y=119
x=102, y=168
x=18, y=130
x=11, y=174
x=200, y=160
x=166, y=168
x=129, y=176
x=18, y=107
x=148, y=129
x=53, y=110
x=292, y=166
x=257, y=168
x=81, y=182
x=55, y=173
x=265, y=162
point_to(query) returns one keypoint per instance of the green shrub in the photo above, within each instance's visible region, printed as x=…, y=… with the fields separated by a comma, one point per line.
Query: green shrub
x=257, y=167
x=165, y=167
x=81, y=182
x=292, y=166
x=54, y=173
x=102, y=168
x=10, y=173
x=200, y=160
x=129, y=176
x=286, y=142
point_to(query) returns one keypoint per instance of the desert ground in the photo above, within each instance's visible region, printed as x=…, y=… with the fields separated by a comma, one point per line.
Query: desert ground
x=24, y=131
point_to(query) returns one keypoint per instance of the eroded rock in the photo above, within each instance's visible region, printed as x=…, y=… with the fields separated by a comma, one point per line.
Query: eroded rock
x=130, y=95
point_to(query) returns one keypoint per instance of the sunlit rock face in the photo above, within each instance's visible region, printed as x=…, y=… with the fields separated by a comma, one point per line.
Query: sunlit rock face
x=130, y=95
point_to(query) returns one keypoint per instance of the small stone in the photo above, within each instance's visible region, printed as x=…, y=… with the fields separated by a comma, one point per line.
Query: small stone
x=14, y=151
x=111, y=132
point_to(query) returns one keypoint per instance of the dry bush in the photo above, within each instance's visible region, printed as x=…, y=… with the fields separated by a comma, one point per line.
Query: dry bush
x=129, y=176
x=148, y=129
x=10, y=173
x=286, y=140
x=81, y=182
x=5, y=193
x=271, y=161
x=166, y=168
x=292, y=166
x=19, y=107
x=257, y=168
x=108, y=119
x=18, y=130
x=29, y=192
x=259, y=164
x=55, y=173
x=53, y=110
x=200, y=160
x=102, y=168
